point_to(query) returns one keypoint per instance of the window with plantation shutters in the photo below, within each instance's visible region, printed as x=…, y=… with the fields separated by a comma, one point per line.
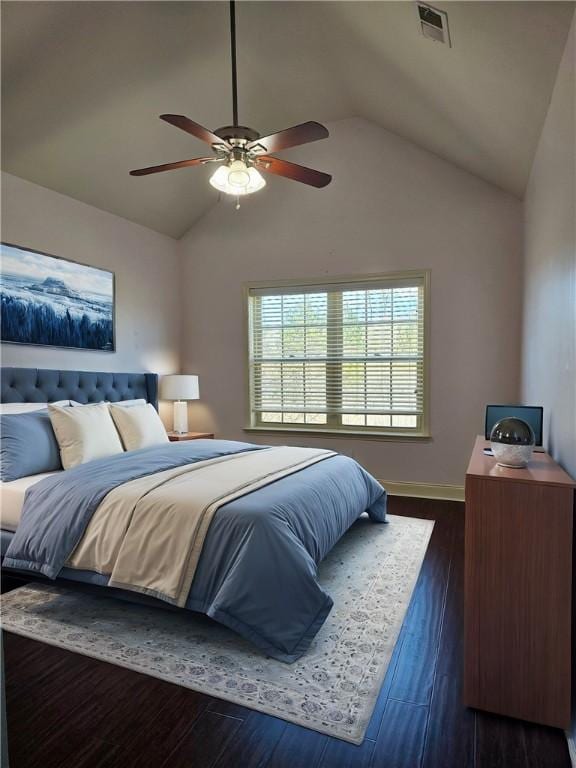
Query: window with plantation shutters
x=346, y=356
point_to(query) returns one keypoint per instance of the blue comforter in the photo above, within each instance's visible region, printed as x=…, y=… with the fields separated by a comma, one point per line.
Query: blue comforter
x=257, y=571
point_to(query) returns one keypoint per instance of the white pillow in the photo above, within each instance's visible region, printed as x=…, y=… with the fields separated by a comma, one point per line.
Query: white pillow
x=84, y=433
x=139, y=426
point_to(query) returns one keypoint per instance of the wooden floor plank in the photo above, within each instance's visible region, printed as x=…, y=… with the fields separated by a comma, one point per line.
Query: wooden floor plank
x=451, y=728
x=204, y=742
x=400, y=742
x=45, y=747
x=150, y=747
x=254, y=743
x=228, y=708
x=298, y=748
x=502, y=742
x=340, y=754
x=34, y=664
x=545, y=747
x=96, y=752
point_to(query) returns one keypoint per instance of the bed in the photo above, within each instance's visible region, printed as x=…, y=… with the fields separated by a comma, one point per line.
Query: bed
x=267, y=517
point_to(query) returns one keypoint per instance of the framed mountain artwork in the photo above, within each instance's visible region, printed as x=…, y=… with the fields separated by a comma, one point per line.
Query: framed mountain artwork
x=54, y=302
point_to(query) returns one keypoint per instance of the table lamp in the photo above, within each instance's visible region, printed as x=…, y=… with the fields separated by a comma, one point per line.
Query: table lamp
x=180, y=388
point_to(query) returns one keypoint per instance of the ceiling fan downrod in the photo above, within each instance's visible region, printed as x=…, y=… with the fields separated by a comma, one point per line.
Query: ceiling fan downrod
x=233, y=59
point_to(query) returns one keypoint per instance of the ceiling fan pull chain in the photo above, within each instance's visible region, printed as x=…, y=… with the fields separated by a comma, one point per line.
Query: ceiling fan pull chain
x=233, y=57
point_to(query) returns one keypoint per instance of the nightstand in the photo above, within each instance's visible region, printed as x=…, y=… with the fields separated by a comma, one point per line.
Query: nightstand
x=176, y=437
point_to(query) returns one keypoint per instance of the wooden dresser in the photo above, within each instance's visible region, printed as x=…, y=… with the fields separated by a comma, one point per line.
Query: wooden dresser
x=518, y=588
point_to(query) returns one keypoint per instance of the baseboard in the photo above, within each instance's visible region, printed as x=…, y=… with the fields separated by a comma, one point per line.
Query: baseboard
x=425, y=490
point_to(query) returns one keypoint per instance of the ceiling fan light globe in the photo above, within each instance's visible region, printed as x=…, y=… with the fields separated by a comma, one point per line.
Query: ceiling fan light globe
x=238, y=175
x=237, y=179
x=219, y=179
x=257, y=181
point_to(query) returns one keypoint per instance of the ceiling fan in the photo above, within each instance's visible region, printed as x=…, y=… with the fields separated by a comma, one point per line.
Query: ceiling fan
x=241, y=152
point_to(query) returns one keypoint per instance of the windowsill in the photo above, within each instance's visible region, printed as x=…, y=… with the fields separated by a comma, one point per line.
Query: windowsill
x=364, y=435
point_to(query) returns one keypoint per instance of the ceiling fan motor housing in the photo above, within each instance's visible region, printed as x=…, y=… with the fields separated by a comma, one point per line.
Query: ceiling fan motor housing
x=237, y=132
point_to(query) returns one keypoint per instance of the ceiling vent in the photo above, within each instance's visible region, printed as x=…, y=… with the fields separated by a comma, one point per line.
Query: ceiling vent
x=433, y=24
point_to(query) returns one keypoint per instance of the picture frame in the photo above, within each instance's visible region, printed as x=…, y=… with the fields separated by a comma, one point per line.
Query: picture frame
x=52, y=301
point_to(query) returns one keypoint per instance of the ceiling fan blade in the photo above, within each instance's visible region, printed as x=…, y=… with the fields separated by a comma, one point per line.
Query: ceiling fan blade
x=185, y=124
x=171, y=166
x=293, y=171
x=292, y=137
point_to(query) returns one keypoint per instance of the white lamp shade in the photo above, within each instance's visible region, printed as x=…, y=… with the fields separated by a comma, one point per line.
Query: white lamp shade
x=179, y=387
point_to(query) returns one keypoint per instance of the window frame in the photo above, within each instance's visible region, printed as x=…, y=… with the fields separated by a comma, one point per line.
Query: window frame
x=253, y=424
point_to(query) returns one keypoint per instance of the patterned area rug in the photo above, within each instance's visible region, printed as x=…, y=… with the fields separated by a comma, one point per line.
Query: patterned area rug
x=370, y=575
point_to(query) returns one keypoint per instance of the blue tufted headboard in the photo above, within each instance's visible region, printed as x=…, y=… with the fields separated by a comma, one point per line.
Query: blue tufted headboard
x=39, y=385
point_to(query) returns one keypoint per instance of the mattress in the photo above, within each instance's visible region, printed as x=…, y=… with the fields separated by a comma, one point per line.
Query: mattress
x=12, y=499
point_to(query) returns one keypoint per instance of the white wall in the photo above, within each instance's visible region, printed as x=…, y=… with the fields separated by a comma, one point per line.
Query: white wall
x=145, y=264
x=391, y=206
x=549, y=313
x=549, y=325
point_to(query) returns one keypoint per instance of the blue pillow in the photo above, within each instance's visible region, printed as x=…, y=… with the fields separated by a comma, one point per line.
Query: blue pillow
x=28, y=445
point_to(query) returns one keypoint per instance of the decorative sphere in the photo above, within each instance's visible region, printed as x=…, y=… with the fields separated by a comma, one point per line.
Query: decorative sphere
x=512, y=442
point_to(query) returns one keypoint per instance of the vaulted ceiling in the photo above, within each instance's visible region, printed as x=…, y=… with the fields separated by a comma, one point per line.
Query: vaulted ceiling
x=84, y=83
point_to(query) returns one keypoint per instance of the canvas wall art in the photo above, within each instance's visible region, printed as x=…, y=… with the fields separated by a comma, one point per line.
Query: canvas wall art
x=54, y=302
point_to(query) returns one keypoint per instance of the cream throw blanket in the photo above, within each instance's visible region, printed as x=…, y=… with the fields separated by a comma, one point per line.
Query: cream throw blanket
x=148, y=533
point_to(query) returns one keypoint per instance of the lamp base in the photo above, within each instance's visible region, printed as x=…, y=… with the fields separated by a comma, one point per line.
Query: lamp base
x=180, y=417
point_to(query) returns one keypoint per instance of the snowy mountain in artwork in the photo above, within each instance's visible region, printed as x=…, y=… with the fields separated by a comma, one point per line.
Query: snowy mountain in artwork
x=55, y=286
x=50, y=301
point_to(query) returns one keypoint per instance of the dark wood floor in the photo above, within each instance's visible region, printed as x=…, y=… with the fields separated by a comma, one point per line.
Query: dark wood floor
x=69, y=711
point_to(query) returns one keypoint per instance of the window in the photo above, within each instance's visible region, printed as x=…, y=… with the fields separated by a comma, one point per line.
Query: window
x=346, y=356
